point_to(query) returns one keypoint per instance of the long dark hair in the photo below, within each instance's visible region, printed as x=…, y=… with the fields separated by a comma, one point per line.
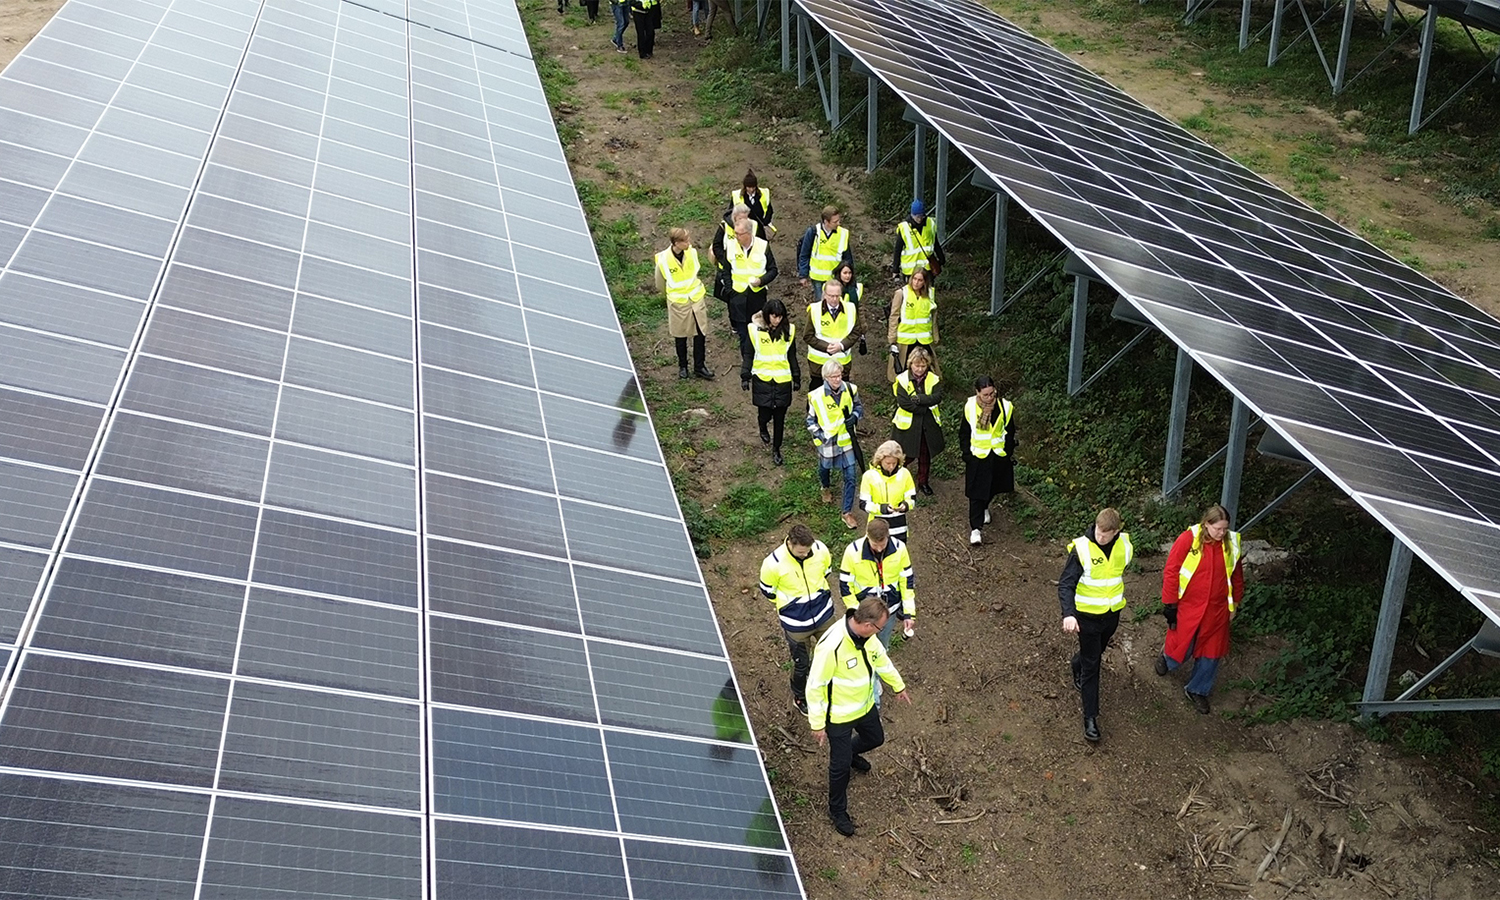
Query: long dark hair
x=776, y=307
x=980, y=383
x=851, y=288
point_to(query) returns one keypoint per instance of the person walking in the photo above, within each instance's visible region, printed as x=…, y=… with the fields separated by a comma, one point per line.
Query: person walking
x=917, y=243
x=592, y=8
x=698, y=12
x=841, y=699
x=794, y=577
x=886, y=490
x=879, y=565
x=752, y=266
x=757, y=200
x=918, y=423
x=647, y=16
x=620, y=9
x=833, y=410
x=823, y=248
x=774, y=374
x=833, y=332
x=854, y=289
x=988, y=438
x=1201, y=586
x=912, y=321
x=1091, y=591
x=687, y=314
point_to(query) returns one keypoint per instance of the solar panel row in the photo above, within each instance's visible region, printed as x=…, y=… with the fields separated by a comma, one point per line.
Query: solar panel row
x=1386, y=380
x=335, y=546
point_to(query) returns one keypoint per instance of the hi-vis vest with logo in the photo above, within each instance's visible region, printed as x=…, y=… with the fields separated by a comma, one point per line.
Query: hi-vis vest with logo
x=683, y=285
x=827, y=328
x=916, y=316
x=841, y=685
x=799, y=588
x=1195, y=556
x=902, y=419
x=917, y=247
x=982, y=441
x=1101, y=588
x=826, y=253
x=729, y=231
x=771, y=363
x=762, y=197
x=831, y=416
x=746, y=264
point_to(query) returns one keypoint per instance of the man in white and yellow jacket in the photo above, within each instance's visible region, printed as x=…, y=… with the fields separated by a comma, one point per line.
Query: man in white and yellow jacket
x=841, y=699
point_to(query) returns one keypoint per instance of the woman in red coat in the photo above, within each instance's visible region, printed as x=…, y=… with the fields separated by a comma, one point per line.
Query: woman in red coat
x=1202, y=584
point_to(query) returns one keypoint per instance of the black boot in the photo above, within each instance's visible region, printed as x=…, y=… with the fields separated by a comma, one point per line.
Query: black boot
x=683, y=373
x=1091, y=729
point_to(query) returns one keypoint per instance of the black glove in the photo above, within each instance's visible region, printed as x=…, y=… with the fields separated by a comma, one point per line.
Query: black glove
x=862, y=348
x=1170, y=611
x=796, y=385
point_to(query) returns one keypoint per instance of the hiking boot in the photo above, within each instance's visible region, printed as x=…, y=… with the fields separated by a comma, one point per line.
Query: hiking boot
x=1199, y=701
x=842, y=824
x=851, y=522
x=1091, y=730
x=859, y=763
x=1161, y=664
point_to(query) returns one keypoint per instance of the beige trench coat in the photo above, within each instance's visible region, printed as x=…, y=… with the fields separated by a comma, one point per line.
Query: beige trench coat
x=681, y=316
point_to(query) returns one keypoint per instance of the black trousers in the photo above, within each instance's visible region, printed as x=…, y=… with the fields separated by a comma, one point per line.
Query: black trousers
x=645, y=31
x=700, y=352
x=776, y=418
x=801, y=663
x=747, y=349
x=976, y=512
x=845, y=740
x=1094, y=633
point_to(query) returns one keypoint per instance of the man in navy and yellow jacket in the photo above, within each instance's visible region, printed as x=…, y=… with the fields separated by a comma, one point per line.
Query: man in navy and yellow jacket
x=795, y=578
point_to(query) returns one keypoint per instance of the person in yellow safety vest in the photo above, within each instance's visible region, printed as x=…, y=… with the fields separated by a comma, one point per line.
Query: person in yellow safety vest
x=1091, y=591
x=918, y=423
x=917, y=243
x=752, y=266
x=775, y=373
x=841, y=699
x=879, y=565
x=912, y=321
x=833, y=411
x=854, y=290
x=823, y=248
x=794, y=577
x=647, y=16
x=687, y=314
x=832, y=333
x=758, y=200
x=722, y=236
x=1201, y=586
x=886, y=490
x=988, y=439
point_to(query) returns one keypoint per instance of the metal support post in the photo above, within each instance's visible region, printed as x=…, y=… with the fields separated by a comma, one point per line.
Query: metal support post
x=1080, y=319
x=1234, y=459
x=918, y=159
x=1344, y=37
x=872, y=126
x=786, y=35
x=1390, y=16
x=1271, y=507
x=1389, y=622
x=941, y=200
x=997, y=262
x=762, y=10
x=1182, y=381
x=802, y=50
x=834, y=116
x=1424, y=63
x=1275, y=50
x=1244, y=25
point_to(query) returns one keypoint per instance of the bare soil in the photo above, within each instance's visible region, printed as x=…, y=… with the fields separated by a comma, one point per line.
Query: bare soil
x=986, y=787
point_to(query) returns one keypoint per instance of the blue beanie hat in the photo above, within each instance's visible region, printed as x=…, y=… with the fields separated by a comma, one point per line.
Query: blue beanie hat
x=917, y=209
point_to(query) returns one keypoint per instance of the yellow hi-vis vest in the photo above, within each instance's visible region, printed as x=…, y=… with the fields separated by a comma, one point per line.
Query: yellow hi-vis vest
x=1101, y=589
x=826, y=252
x=902, y=419
x=841, y=685
x=762, y=195
x=683, y=285
x=770, y=362
x=1195, y=555
x=799, y=588
x=830, y=415
x=916, y=316
x=892, y=580
x=830, y=328
x=746, y=264
x=729, y=232
x=982, y=441
x=917, y=247
x=876, y=488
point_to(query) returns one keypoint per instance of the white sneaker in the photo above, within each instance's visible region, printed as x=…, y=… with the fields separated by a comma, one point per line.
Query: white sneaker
x=986, y=517
x=974, y=537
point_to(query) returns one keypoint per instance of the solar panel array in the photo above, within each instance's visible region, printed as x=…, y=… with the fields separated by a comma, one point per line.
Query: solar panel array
x=337, y=556
x=1387, y=381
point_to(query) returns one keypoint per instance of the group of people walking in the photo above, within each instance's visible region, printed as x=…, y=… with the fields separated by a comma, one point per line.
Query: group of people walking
x=839, y=651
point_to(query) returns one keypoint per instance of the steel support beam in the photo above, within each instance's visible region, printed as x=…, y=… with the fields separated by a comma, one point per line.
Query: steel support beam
x=834, y=117
x=997, y=261
x=940, y=202
x=1080, y=320
x=1182, y=382
x=872, y=126
x=919, y=158
x=1342, y=66
x=786, y=35
x=1271, y=507
x=1234, y=461
x=1386, y=626
x=1424, y=64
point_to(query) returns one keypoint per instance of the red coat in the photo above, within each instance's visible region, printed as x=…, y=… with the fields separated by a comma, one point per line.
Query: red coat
x=1204, y=607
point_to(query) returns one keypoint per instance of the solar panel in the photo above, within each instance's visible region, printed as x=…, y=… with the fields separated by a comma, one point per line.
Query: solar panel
x=1382, y=378
x=337, y=555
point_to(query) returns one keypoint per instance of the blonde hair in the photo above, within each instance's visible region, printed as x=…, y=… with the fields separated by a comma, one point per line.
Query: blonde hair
x=1108, y=519
x=677, y=234
x=1212, y=515
x=889, y=448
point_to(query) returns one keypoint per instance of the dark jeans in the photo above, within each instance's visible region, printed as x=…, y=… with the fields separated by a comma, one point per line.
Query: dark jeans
x=845, y=740
x=977, y=509
x=621, y=13
x=777, y=420
x=645, y=32
x=801, y=664
x=747, y=350
x=700, y=352
x=1094, y=633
